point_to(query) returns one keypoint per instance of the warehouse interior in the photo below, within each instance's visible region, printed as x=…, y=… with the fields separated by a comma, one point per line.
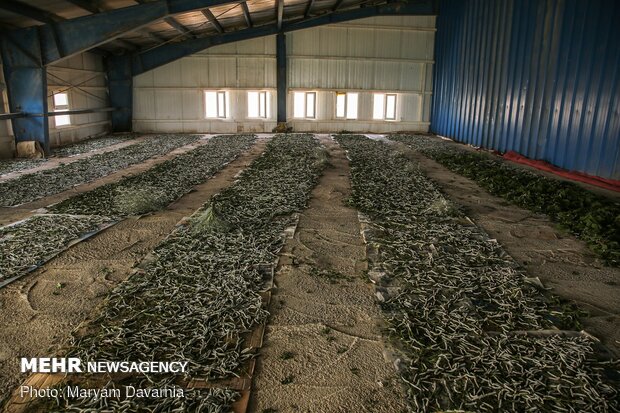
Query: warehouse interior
x=310, y=205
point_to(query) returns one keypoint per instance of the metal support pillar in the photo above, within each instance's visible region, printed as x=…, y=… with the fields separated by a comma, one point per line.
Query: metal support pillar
x=120, y=90
x=281, y=76
x=26, y=82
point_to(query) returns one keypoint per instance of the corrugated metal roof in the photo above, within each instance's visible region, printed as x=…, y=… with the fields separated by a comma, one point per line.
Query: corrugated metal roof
x=537, y=77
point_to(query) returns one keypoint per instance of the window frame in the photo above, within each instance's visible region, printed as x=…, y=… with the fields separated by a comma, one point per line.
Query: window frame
x=261, y=95
x=385, y=109
x=218, y=93
x=61, y=108
x=347, y=106
x=306, y=95
x=344, y=109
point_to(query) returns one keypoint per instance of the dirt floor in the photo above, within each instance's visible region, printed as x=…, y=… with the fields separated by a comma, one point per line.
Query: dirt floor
x=39, y=311
x=323, y=350
x=561, y=261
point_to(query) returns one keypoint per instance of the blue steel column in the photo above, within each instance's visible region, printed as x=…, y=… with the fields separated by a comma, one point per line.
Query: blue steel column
x=281, y=76
x=120, y=90
x=26, y=82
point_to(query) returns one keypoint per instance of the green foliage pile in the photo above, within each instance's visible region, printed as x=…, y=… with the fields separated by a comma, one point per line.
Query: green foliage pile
x=199, y=296
x=36, y=185
x=160, y=185
x=474, y=332
x=592, y=217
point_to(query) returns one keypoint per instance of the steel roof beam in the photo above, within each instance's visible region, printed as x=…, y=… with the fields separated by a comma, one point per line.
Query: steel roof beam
x=61, y=38
x=126, y=44
x=158, y=56
x=309, y=8
x=246, y=13
x=207, y=13
x=157, y=38
x=280, y=14
x=178, y=26
x=337, y=5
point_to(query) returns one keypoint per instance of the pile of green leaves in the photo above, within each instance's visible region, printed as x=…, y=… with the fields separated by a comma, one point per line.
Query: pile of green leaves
x=157, y=187
x=199, y=295
x=36, y=185
x=475, y=334
x=27, y=244
x=8, y=166
x=592, y=217
x=92, y=144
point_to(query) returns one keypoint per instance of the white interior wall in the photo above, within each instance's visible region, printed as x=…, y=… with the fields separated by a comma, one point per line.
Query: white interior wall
x=170, y=98
x=85, y=70
x=381, y=54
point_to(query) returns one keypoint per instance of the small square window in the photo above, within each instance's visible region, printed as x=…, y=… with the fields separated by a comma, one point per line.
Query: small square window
x=384, y=106
x=378, y=106
x=311, y=105
x=346, y=105
x=61, y=99
x=216, y=104
x=257, y=105
x=352, y=105
x=304, y=105
x=390, y=106
x=341, y=105
x=62, y=120
x=299, y=104
x=61, y=104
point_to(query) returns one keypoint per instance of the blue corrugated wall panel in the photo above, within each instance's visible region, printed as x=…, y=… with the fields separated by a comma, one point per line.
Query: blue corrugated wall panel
x=539, y=77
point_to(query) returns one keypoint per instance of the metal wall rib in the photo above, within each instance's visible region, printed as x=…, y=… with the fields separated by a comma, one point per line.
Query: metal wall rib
x=539, y=77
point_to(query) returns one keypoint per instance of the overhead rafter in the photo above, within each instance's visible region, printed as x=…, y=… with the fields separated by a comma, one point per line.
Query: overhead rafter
x=309, y=8
x=158, y=56
x=280, y=13
x=246, y=13
x=91, y=6
x=126, y=44
x=337, y=5
x=61, y=38
x=178, y=26
x=207, y=13
x=29, y=11
x=154, y=36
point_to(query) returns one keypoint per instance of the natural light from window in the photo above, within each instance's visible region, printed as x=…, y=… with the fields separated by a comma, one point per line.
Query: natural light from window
x=310, y=104
x=351, y=105
x=390, y=107
x=216, y=104
x=384, y=106
x=378, y=105
x=61, y=104
x=257, y=105
x=341, y=105
x=304, y=105
x=299, y=99
x=346, y=105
